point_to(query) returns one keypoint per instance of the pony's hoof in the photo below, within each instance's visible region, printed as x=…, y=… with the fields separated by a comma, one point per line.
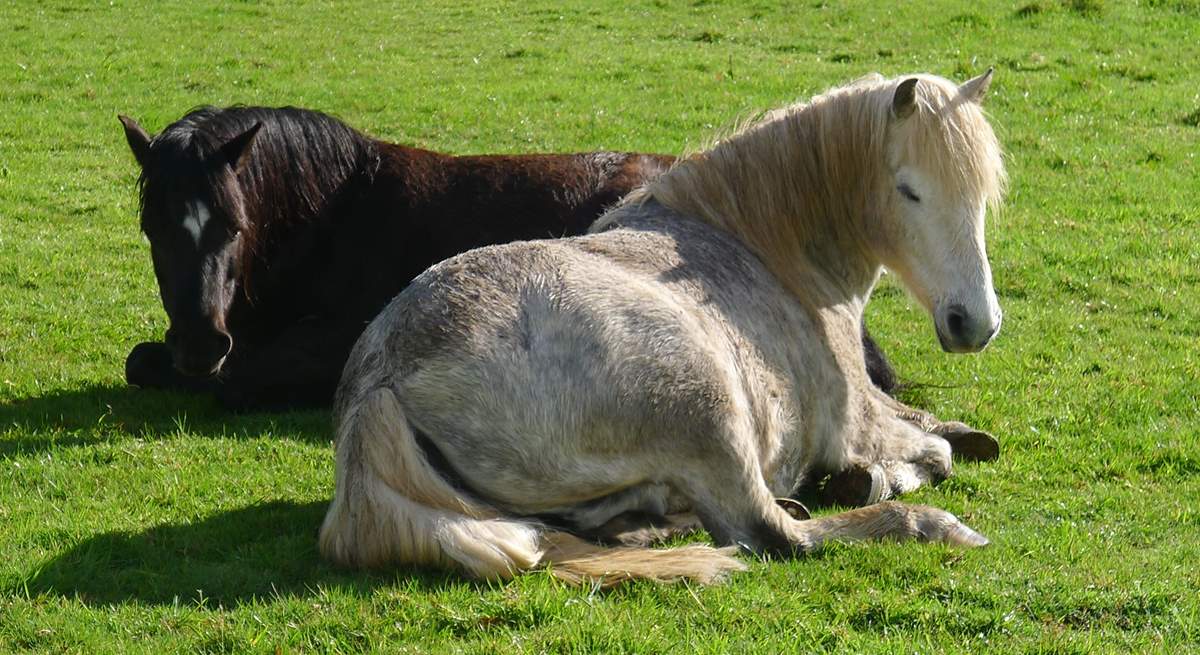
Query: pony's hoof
x=961, y=535
x=149, y=365
x=968, y=444
x=855, y=487
x=933, y=524
x=794, y=508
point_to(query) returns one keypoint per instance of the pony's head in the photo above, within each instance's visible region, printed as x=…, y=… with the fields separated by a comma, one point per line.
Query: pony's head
x=193, y=213
x=892, y=172
x=943, y=171
x=223, y=191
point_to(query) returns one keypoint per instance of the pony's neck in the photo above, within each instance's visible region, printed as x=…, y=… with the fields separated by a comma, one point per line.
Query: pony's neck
x=294, y=189
x=798, y=189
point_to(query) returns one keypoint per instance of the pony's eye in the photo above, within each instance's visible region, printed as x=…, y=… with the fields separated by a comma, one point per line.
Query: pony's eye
x=907, y=192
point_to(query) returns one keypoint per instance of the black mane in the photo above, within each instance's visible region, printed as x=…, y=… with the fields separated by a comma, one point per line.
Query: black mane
x=298, y=161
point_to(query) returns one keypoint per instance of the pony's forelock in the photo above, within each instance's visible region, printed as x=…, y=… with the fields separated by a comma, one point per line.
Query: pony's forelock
x=946, y=122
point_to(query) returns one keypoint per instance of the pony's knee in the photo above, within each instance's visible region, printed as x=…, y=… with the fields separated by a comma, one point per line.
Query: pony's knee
x=935, y=459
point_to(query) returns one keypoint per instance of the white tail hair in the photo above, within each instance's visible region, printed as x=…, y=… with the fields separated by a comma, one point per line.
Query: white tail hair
x=392, y=506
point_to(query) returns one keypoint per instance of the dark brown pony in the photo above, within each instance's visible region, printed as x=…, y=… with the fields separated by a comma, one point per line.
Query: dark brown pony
x=277, y=234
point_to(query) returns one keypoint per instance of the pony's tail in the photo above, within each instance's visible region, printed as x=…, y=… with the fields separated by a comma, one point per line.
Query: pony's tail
x=392, y=506
x=576, y=561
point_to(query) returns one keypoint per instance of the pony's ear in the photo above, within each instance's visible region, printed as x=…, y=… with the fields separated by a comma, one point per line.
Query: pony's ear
x=138, y=138
x=974, y=89
x=904, y=102
x=234, y=151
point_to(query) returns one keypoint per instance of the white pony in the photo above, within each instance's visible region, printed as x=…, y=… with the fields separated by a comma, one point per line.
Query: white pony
x=698, y=351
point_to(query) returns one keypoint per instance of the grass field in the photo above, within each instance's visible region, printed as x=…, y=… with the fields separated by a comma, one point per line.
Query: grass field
x=150, y=522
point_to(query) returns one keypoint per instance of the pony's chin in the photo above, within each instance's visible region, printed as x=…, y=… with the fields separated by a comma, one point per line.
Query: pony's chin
x=956, y=347
x=200, y=371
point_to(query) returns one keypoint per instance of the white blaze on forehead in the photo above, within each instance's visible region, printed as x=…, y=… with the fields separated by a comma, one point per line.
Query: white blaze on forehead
x=195, y=217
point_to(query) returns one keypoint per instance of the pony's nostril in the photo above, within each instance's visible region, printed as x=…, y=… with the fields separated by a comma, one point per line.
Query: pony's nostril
x=956, y=321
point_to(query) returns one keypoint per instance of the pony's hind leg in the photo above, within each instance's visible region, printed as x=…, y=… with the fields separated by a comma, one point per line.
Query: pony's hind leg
x=643, y=529
x=726, y=489
x=736, y=507
x=648, y=499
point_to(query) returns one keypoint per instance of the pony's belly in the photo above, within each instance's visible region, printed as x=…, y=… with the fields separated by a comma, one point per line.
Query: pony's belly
x=564, y=484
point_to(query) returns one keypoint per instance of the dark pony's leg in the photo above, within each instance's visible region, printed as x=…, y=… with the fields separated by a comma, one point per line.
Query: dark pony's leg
x=881, y=372
x=149, y=366
x=300, y=368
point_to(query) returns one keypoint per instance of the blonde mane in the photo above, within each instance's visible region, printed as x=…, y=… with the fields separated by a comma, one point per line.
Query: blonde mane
x=806, y=180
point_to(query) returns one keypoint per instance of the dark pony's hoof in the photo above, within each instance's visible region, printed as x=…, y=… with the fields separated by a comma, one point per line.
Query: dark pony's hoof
x=968, y=444
x=854, y=487
x=149, y=365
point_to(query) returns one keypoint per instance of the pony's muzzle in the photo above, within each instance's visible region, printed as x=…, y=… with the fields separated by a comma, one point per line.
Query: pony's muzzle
x=199, y=354
x=961, y=331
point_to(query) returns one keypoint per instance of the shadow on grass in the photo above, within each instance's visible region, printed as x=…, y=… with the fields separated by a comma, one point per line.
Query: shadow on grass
x=256, y=552
x=95, y=413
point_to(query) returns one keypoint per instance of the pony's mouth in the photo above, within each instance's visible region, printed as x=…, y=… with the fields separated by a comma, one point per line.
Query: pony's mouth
x=960, y=331
x=195, y=369
x=953, y=345
x=199, y=354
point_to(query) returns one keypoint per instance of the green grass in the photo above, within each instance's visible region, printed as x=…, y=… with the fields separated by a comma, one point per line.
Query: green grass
x=151, y=522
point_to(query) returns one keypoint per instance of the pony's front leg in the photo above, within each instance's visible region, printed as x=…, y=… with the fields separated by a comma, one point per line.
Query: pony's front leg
x=967, y=443
x=892, y=458
x=736, y=507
